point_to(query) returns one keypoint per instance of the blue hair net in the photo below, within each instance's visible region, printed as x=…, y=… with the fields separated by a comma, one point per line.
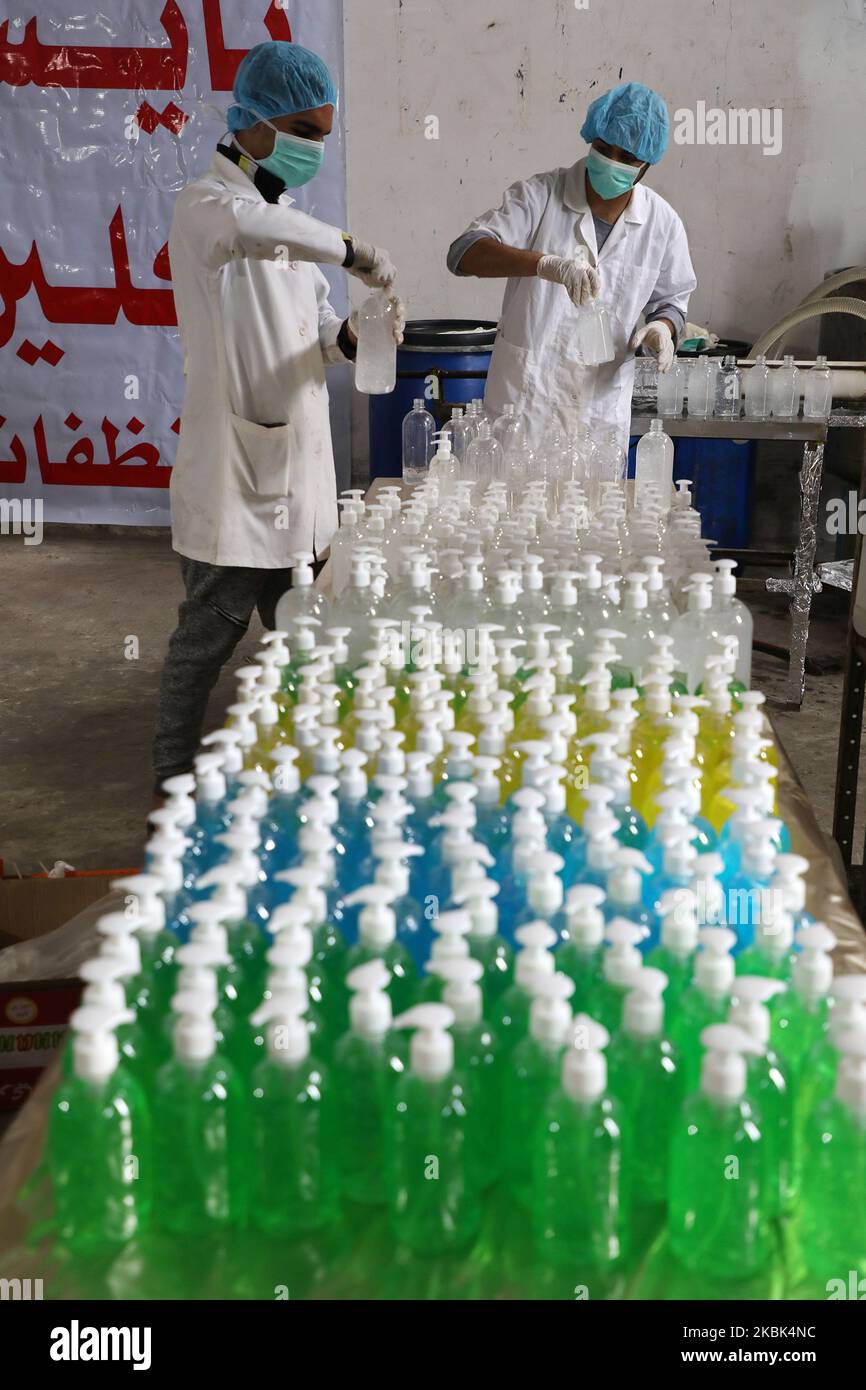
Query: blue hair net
x=279, y=79
x=631, y=116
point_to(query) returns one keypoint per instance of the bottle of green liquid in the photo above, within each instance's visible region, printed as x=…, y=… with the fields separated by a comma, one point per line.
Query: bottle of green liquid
x=769, y=955
x=800, y=1014
x=143, y=898
x=531, y=1077
x=99, y=1141
x=199, y=1129
x=645, y=1077
x=579, y=955
x=327, y=978
x=678, y=941
x=449, y=943
x=580, y=1198
x=294, y=1134
x=832, y=1225
x=706, y=1000
x=246, y=942
x=377, y=933
x=200, y=971
x=367, y=1061
x=817, y=1076
x=485, y=944
x=103, y=989
x=769, y=1084
x=291, y=967
x=620, y=963
x=534, y=961
x=718, y=1205
x=476, y=1057
x=210, y=932
x=434, y=1192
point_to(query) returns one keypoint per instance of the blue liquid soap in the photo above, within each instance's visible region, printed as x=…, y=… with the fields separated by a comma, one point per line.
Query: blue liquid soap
x=493, y=823
x=744, y=887
x=789, y=882
x=625, y=893
x=413, y=918
x=281, y=822
x=678, y=867
x=527, y=822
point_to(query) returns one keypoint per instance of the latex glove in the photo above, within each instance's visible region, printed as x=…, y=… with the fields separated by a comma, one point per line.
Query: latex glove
x=657, y=338
x=581, y=281
x=372, y=265
x=398, y=322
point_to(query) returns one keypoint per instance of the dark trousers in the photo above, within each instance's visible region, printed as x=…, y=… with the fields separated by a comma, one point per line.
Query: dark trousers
x=212, y=620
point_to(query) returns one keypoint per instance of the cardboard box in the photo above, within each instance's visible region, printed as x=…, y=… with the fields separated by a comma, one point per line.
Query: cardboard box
x=34, y=1014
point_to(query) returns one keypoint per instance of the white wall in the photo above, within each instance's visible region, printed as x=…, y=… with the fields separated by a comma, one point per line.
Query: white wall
x=510, y=80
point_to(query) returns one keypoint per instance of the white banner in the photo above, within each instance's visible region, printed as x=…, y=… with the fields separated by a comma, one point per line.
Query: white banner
x=103, y=124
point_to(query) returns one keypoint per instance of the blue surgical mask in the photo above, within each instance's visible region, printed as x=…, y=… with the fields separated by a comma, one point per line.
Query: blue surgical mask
x=293, y=159
x=609, y=177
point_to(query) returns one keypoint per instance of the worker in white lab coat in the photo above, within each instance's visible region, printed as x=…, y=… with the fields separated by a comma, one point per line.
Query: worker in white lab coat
x=563, y=238
x=253, y=481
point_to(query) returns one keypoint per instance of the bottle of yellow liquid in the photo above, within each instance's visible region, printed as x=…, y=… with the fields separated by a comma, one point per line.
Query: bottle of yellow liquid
x=653, y=726
x=536, y=707
x=478, y=707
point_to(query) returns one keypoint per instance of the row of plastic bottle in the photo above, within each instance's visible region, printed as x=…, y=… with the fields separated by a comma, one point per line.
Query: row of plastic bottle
x=335, y=1104
x=713, y=386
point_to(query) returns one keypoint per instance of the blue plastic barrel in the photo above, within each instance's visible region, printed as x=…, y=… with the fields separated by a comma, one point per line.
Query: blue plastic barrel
x=723, y=477
x=445, y=362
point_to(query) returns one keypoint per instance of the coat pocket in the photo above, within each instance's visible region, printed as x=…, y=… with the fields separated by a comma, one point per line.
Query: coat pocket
x=508, y=379
x=259, y=458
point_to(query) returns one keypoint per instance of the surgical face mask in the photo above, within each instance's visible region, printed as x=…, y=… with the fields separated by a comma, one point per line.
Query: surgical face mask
x=609, y=177
x=293, y=159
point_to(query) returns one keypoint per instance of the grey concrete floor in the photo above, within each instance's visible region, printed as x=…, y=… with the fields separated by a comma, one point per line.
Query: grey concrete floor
x=77, y=711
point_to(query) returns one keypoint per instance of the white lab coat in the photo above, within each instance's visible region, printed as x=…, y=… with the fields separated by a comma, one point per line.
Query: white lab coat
x=643, y=264
x=256, y=328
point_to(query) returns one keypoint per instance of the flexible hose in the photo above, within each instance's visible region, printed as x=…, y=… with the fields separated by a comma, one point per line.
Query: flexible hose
x=809, y=309
x=835, y=282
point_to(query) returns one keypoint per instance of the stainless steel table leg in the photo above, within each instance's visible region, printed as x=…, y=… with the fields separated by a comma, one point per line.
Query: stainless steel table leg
x=804, y=582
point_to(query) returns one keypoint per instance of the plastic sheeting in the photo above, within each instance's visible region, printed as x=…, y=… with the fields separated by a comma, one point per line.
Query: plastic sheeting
x=105, y=118
x=25, y=1200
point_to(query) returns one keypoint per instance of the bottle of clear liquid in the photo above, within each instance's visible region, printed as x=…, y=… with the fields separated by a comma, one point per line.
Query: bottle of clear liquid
x=484, y=457
x=376, y=362
x=728, y=386
x=303, y=600
x=731, y=618
x=785, y=390
x=817, y=391
x=671, y=386
x=654, y=468
x=701, y=388
x=594, y=334
x=418, y=430
x=757, y=389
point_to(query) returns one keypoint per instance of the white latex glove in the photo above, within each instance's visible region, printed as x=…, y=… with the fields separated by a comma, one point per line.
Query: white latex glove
x=398, y=323
x=372, y=265
x=581, y=281
x=657, y=338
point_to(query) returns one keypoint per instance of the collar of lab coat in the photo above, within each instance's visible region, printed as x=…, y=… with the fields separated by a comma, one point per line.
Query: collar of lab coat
x=574, y=196
x=233, y=175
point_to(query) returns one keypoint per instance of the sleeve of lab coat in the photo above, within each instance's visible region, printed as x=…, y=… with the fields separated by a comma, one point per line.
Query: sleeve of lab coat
x=676, y=279
x=514, y=222
x=223, y=229
x=329, y=322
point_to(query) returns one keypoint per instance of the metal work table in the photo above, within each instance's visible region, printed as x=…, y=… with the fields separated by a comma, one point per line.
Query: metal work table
x=803, y=580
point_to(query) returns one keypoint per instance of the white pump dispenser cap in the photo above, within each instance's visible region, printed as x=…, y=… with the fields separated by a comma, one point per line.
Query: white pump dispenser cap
x=95, y=1050
x=622, y=960
x=679, y=926
x=812, y=970
x=370, y=1012
x=288, y=1033
x=788, y=878
x=461, y=991
x=714, y=964
x=584, y=919
x=584, y=1065
x=851, y=1071
x=431, y=1052
x=450, y=942
x=194, y=1033
x=377, y=923
x=143, y=894
x=625, y=880
x=549, y=1012
x=723, y=1065
x=643, y=1013
x=537, y=940
x=749, y=998
x=477, y=898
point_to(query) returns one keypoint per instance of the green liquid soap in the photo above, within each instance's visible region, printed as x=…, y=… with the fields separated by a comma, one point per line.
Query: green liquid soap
x=143, y=897
x=769, y=1085
x=199, y=1129
x=294, y=1134
x=367, y=1061
x=718, y=1206
x=485, y=943
x=817, y=1078
x=580, y=1199
x=800, y=1015
x=434, y=1187
x=477, y=1058
x=645, y=1076
x=99, y=1142
x=620, y=963
x=678, y=940
x=832, y=1225
x=377, y=932
x=581, y=954
x=769, y=956
x=531, y=1077
x=103, y=989
x=533, y=962
x=290, y=956
x=705, y=1001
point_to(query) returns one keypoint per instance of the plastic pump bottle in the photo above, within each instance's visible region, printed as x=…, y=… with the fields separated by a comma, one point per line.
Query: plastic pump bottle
x=485, y=943
x=430, y=1121
x=678, y=941
x=367, y=1060
x=580, y=954
x=801, y=1014
x=376, y=362
x=579, y=1206
x=719, y=1227
x=620, y=964
x=707, y=998
x=832, y=1228
x=377, y=932
x=476, y=1056
x=534, y=961
x=769, y=1083
x=531, y=1077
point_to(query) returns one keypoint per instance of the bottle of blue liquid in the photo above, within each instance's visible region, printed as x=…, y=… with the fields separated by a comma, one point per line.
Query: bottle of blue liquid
x=789, y=882
x=678, y=866
x=625, y=893
x=226, y=742
x=413, y=922
x=419, y=794
x=280, y=823
x=600, y=854
x=493, y=823
x=746, y=887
